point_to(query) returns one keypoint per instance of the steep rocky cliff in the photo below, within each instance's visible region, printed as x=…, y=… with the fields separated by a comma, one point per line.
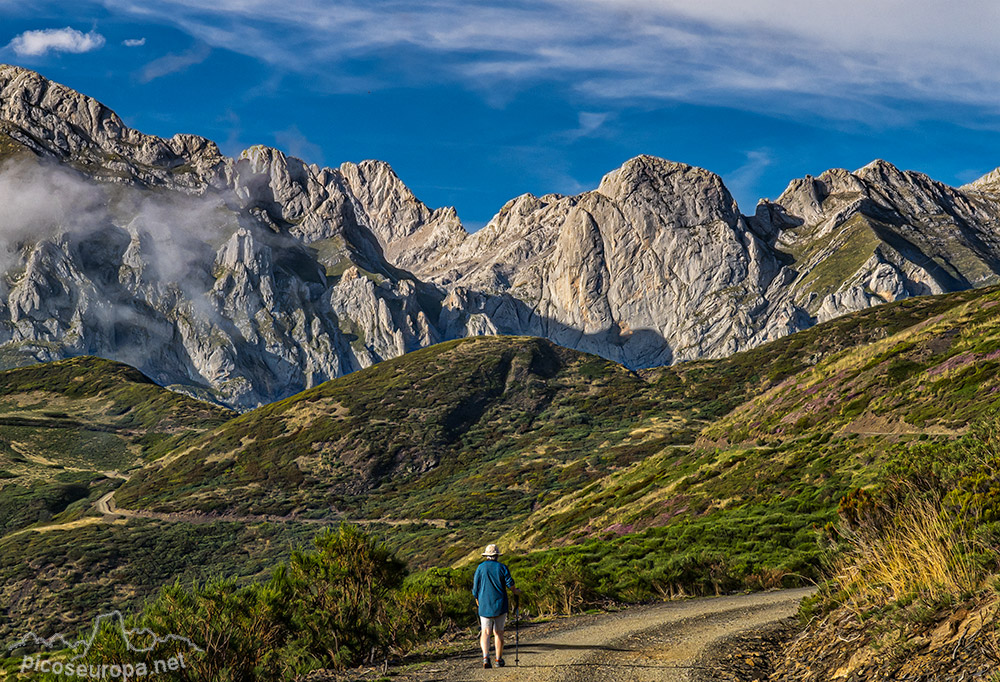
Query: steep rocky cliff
x=248, y=279
x=658, y=265
x=240, y=280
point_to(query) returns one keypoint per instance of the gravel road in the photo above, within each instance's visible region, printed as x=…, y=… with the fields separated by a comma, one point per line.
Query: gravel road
x=660, y=642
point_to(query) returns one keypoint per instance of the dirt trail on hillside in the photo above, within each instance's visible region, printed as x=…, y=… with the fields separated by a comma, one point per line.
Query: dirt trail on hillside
x=663, y=642
x=107, y=507
x=112, y=513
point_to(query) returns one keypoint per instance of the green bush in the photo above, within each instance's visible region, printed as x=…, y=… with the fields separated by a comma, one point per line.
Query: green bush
x=338, y=599
x=340, y=605
x=559, y=584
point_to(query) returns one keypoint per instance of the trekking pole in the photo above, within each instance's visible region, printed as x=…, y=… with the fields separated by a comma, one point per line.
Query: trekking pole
x=517, y=634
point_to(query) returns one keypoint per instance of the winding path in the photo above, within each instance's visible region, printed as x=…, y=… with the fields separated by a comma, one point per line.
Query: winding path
x=663, y=642
x=112, y=513
x=107, y=507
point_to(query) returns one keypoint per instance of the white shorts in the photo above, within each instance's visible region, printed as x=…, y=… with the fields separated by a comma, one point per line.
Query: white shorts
x=490, y=624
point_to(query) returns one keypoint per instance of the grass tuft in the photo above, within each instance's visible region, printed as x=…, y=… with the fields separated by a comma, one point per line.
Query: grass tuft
x=923, y=555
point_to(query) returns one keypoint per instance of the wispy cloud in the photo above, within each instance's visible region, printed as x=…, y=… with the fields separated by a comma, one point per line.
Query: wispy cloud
x=769, y=55
x=744, y=180
x=41, y=42
x=174, y=62
x=134, y=42
x=589, y=123
x=294, y=143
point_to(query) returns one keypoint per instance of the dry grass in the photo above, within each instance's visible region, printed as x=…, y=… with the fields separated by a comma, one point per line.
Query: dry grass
x=921, y=555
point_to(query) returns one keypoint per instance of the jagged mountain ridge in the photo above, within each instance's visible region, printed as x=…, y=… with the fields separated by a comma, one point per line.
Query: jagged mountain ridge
x=247, y=280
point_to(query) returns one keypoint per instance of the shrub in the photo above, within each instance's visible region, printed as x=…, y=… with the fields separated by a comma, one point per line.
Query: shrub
x=930, y=531
x=337, y=606
x=239, y=630
x=559, y=584
x=337, y=599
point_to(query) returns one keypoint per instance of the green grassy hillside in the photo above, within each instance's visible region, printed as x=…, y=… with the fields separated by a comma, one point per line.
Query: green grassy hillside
x=90, y=412
x=70, y=430
x=934, y=376
x=817, y=411
x=839, y=407
x=58, y=580
x=475, y=428
x=550, y=448
x=601, y=483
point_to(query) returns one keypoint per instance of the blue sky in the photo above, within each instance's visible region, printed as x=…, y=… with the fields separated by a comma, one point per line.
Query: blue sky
x=474, y=103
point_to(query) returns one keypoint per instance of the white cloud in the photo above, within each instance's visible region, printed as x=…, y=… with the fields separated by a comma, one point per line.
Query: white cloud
x=770, y=55
x=134, y=42
x=37, y=43
x=589, y=123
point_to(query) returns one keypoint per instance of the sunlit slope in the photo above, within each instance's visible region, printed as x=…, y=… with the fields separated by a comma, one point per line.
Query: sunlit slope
x=716, y=387
x=932, y=377
x=694, y=477
x=482, y=427
x=89, y=413
x=498, y=427
x=788, y=454
x=70, y=430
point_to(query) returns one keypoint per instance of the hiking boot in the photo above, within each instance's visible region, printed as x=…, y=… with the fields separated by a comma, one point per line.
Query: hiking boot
x=486, y=663
x=500, y=663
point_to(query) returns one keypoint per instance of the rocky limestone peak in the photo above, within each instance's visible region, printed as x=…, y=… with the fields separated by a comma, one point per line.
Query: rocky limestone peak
x=29, y=97
x=808, y=199
x=988, y=183
x=55, y=120
x=882, y=171
x=908, y=191
x=688, y=194
x=263, y=159
x=838, y=193
x=386, y=205
x=856, y=239
x=283, y=186
x=284, y=274
x=191, y=146
x=409, y=233
x=803, y=199
x=519, y=207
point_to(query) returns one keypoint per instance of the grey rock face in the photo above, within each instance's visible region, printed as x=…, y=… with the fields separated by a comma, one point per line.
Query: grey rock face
x=658, y=264
x=245, y=280
x=881, y=234
x=232, y=279
x=645, y=270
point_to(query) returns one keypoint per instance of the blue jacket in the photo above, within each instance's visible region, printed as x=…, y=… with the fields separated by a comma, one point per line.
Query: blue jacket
x=489, y=586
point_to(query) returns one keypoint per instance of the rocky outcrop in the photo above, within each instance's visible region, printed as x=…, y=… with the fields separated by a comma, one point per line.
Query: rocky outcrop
x=53, y=120
x=248, y=279
x=240, y=280
x=881, y=234
x=645, y=270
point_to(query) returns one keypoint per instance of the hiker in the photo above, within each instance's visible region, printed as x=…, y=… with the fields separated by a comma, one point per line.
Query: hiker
x=489, y=587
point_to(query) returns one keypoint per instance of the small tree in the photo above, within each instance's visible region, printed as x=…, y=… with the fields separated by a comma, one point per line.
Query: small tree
x=337, y=598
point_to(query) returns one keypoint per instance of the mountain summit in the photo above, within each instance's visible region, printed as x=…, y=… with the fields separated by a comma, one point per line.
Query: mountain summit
x=246, y=280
